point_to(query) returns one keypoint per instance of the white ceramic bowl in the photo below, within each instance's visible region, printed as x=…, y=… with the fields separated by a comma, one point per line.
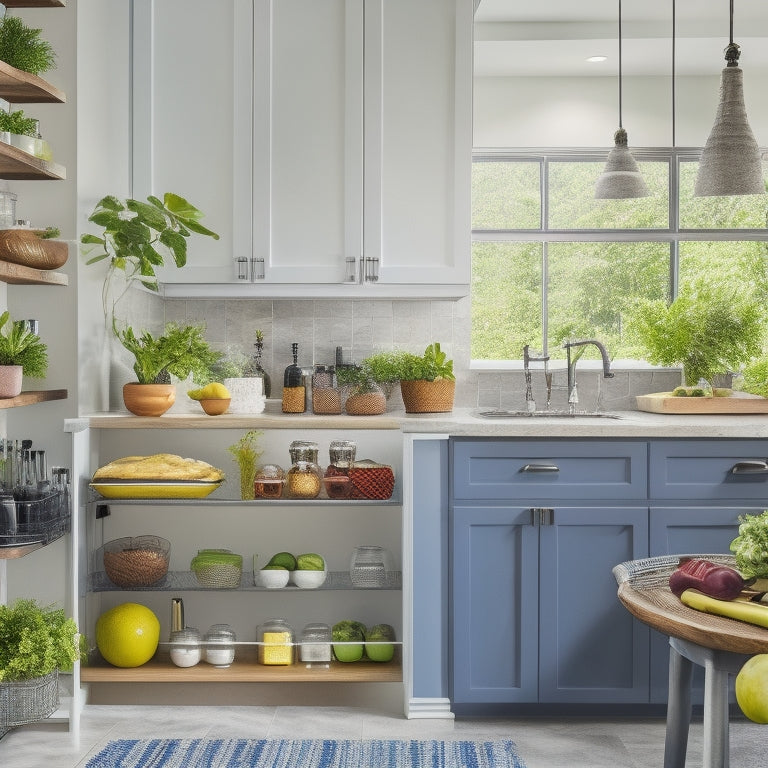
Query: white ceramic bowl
x=272, y=578
x=308, y=579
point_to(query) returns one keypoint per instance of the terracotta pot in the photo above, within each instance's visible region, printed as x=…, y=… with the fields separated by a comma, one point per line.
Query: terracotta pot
x=422, y=396
x=10, y=380
x=148, y=399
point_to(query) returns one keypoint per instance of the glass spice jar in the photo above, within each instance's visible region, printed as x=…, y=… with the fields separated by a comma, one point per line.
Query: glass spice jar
x=304, y=480
x=219, y=644
x=275, y=637
x=269, y=481
x=326, y=397
x=186, y=647
x=304, y=450
x=342, y=453
x=315, y=645
x=337, y=483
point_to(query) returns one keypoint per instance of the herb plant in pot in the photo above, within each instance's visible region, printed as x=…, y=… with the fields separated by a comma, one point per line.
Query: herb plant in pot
x=708, y=330
x=361, y=394
x=180, y=351
x=18, y=130
x=22, y=353
x=35, y=643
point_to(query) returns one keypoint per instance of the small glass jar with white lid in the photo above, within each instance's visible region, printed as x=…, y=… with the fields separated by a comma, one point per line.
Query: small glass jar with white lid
x=219, y=644
x=186, y=647
x=315, y=645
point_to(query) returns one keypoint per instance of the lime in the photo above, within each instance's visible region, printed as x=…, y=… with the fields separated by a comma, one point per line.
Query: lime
x=285, y=559
x=127, y=635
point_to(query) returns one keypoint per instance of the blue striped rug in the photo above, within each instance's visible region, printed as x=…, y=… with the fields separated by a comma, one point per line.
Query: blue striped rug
x=266, y=753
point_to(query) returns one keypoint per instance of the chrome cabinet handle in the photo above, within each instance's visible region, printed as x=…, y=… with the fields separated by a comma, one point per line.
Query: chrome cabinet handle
x=540, y=468
x=542, y=516
x=751, y=467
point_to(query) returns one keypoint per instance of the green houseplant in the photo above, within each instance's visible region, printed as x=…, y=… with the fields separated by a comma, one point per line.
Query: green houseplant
x=708, y=330
x=22, y=47
x=134, y=237
x=35, y=643
x=22, y=353
x=362, y=394
x=179, y=351
x=17, y=122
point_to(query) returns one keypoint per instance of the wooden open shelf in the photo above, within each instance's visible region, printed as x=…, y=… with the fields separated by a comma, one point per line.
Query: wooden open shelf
x=17, y=274
x=22, y=87
x=34, y=3
x=15, y=164
x=245, y=669
x=30, y=398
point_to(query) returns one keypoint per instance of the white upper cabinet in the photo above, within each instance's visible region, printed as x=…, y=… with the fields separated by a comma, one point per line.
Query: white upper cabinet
x=328, y=142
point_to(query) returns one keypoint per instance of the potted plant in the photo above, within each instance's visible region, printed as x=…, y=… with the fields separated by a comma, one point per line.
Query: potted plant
x=362, y=395
x=134, y=236
x=239, y=376
x=18, y=130
x=427, y=381
x=22, y=353
x=180, y=351
x=23, y=48
x=35, y=643
x=706, y=330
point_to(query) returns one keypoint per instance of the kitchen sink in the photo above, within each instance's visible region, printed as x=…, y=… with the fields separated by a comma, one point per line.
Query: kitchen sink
x=549, y=414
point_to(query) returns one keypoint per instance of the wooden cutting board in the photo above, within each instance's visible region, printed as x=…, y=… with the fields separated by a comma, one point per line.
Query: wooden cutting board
x=738, y=402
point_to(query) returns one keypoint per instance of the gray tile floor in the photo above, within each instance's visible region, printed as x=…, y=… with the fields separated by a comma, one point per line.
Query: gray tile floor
x=542, y=743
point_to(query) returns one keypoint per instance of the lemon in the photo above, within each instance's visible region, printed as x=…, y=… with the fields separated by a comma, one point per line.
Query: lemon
x=213, y=391
x=751, y=688
x=127, y=635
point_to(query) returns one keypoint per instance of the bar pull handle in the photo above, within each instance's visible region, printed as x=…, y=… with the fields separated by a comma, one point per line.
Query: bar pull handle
x=540, y=468
x=542, y=516
x=750, y=467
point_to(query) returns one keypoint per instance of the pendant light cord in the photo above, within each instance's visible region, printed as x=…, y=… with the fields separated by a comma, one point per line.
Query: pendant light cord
x=621, y=125
x=731, y=22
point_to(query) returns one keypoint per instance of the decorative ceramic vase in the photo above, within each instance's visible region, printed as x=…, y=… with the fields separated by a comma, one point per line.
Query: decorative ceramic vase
x=148, y=399
x=421, y=396
x=10, y=380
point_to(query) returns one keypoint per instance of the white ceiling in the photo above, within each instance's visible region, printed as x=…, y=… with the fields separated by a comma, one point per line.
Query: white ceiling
x=555, y=37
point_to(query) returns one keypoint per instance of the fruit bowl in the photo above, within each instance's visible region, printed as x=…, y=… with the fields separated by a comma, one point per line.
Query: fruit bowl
x=215, y=406
x=272, y=578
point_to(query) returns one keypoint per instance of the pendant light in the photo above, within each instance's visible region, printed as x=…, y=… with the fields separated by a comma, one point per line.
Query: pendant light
x=621, y=177
x=730, y=162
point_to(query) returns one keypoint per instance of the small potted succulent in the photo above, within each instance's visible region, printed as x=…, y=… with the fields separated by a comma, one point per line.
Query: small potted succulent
x=179, y=351
x=22, y=353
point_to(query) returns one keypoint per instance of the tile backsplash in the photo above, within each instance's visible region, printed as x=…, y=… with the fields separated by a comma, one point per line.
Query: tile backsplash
x=361, y=327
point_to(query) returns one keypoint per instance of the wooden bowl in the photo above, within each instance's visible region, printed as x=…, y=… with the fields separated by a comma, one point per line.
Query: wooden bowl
x=216, y=406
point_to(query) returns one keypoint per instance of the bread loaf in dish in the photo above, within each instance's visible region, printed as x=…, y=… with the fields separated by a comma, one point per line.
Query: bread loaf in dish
x=159, y=466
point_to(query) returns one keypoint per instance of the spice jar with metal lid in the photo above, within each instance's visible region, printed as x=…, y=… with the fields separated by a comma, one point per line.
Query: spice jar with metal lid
x=336, y=479
x=326, y=396
x=294, y=391
x=219, y=644
x=315, y=645
x=186, y=647
x=304, y=450
x=304, y=480
x=275, y=638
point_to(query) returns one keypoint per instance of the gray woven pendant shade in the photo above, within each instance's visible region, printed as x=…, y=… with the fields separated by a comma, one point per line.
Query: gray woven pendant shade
x=621, y=177
x=730, y=162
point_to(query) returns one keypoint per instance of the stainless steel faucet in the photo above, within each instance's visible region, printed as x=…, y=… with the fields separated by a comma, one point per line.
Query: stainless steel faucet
x=529, y=358
x=573, y=358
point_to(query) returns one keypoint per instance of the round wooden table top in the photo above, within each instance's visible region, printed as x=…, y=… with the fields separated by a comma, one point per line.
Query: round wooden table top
x=644, y=591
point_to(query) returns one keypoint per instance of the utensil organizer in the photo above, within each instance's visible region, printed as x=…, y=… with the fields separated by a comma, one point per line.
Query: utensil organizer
x=35, y=522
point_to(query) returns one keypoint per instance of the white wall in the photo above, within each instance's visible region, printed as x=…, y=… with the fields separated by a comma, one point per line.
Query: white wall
x=583, y=112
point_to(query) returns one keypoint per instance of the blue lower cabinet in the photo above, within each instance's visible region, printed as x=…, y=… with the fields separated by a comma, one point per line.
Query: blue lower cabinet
x=535, y=614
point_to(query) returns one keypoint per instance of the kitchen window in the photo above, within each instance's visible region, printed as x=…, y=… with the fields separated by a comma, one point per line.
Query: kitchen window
x=549, y=261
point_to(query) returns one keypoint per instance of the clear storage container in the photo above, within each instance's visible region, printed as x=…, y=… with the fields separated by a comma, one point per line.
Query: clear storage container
x=315, y=645
x=276, y=640
x=186, y=647
x=219, y=643
x=304, y=480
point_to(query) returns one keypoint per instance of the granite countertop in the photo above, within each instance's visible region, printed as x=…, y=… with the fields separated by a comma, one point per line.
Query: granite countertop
x=461, y=422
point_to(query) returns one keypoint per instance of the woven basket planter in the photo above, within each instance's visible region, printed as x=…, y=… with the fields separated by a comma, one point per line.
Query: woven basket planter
x=23, y=246
x=422, y=396
x=28, y=701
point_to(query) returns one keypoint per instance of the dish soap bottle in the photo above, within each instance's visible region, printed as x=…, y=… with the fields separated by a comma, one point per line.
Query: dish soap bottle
x=294, y=391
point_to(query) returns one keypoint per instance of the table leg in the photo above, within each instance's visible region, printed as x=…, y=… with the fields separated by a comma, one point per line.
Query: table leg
x=716, y=747
x=678, y=709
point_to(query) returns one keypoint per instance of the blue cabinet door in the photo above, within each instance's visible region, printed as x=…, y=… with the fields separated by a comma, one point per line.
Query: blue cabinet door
x=681, y=531
x=590, y=648
x=495, y=595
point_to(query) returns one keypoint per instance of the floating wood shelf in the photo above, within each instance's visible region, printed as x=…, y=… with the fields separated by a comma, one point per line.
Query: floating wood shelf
x=34, y=3
x=16, y=274
x=15, y=164
x=22, y=87
x=244, y=669
x=31, y=398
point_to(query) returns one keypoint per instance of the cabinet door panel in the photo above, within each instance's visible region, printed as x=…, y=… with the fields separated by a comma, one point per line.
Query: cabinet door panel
x=495, y=605
x=687, y=530
x=591, y=650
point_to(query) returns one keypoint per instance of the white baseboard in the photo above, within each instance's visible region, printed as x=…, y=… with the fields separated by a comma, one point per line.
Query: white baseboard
x=429, y=709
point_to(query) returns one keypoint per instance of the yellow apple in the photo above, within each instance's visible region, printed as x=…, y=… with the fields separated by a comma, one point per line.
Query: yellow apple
x=752, y=688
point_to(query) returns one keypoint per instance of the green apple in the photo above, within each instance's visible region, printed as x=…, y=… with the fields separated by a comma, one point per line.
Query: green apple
x=752, y=688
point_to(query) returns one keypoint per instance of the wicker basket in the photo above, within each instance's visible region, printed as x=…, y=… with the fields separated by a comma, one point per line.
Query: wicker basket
x=23, y=246
x=28, y=701
x=423, y=396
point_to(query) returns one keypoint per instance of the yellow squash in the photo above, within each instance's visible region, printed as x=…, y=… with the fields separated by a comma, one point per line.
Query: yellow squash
x=740, y=608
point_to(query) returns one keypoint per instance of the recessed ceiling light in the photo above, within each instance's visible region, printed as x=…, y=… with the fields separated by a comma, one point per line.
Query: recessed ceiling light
x=597, y=59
